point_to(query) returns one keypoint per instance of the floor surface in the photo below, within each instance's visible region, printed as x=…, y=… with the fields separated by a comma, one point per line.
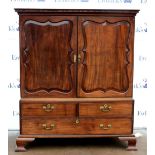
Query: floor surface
x=99, y=146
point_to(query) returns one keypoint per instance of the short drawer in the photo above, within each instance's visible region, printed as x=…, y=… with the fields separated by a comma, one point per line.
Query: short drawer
x=71, y=126
x=109, y=109
x=48, y=109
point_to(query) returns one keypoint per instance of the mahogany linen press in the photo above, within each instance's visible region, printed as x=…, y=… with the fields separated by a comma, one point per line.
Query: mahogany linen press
x=76, y=74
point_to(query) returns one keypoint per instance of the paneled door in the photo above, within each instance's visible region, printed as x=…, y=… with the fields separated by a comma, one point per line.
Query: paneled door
x=106, y=50
x=48, y=45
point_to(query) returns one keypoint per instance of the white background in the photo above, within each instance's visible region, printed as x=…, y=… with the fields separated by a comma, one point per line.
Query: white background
x=144, y=64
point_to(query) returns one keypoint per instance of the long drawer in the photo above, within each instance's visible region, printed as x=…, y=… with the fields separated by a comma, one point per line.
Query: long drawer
x=108, y=108
x=73, y=126
x=48, y=109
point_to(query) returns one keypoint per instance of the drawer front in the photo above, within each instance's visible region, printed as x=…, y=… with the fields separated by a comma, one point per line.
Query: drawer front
x=111, y=109
x=71, y=126
x=48, y=109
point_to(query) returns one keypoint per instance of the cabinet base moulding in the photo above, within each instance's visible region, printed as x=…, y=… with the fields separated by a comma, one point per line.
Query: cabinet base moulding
x=23, y=140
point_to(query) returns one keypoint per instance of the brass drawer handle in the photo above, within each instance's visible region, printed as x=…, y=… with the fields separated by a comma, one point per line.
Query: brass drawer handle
x=105, y=108
x=102, y=126
x=51, y=127
x=48, y=107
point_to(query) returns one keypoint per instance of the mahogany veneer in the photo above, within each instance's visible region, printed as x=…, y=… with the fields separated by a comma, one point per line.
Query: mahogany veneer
x=76, y=74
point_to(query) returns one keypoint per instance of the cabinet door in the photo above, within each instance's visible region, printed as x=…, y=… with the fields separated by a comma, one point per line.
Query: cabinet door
x=105, y=45
x=48, y=44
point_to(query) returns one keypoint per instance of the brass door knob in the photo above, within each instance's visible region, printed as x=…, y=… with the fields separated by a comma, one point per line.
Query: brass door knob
x=79, y=58
x=75, y=58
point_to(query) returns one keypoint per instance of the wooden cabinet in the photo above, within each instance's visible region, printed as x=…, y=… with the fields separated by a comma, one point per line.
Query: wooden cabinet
x=76, y=74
